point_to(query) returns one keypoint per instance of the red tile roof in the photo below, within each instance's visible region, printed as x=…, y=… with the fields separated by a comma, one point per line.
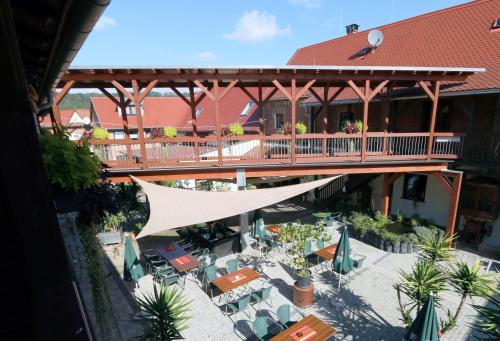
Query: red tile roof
x=231, y=107
x=66, y=115
x=158, y=112
x=459, y=36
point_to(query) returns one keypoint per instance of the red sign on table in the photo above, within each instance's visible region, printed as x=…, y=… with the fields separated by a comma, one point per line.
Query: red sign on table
x=303, y=334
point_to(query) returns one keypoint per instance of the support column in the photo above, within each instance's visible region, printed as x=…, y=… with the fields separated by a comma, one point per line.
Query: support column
x=435, y=98
x=138, y=115
x=366, y=102
x=386, y=110
x=123, y=109
x=217, y=121
x=455, y=197
x=293, y=102
x=384, y=203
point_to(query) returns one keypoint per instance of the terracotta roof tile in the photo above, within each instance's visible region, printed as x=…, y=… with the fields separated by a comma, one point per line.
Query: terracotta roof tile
x=458, y=36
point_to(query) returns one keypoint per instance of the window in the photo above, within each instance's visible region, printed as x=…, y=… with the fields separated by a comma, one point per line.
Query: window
x=414, y=187
x=119, y=135
x=130, y=110
x=346, y=116
x=278, y=121
x=198, y=112
x=246, y=109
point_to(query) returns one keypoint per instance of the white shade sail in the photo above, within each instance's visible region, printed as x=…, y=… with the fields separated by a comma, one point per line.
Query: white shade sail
x=174, y=207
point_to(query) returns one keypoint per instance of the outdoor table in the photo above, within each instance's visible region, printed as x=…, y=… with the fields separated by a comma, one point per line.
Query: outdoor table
x=235, y=280
x=322, y=214
x=274, y=229
x=310, y=328
x=327, y=252
x=177, y=257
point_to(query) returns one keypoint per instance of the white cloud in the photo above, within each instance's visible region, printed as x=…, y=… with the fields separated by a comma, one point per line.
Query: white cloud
x=206, y=56
x=104, y=23
x=306, y=3
x=257, y=26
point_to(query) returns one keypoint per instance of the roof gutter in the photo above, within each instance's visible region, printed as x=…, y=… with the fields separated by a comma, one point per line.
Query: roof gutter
x=78, y=20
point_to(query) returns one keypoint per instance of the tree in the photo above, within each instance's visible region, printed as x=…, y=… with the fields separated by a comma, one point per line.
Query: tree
x=436, y=248
x=163, y=314
x=468, y=282
x=425, y=277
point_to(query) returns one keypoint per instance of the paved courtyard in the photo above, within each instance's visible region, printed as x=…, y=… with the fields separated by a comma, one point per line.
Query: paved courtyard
x=364, y=309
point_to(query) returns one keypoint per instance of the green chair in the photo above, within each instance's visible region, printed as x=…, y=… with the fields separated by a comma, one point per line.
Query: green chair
x=210, y=274
x=320, y=244
x=168, y=278
x=284, y=316
x=308, y=248
x=261, y=327
x=239, y=305
x=204, y=253
x=231, y=266
x=262, y=295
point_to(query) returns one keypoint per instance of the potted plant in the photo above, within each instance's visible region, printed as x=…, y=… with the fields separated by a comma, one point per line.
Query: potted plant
x=156, y=133
x=169, y=131
x=403, y=246
x=234, y=129
x=396, y=243
x=110, y=225
x=300, y=128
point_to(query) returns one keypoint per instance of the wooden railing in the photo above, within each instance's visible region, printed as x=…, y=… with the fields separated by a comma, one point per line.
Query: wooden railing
x=257, y=149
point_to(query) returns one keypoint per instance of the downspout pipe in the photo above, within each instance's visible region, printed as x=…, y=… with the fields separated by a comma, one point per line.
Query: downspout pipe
x=78, y=20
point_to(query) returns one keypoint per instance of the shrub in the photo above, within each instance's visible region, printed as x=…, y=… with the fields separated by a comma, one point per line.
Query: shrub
x=359, y=126
x=300, y=128
x=112, y=222
x=100, y=134
x=362, y=222
x=169, y=131
x=234, y=129
x=156, y=133
x=71, y=166
x=400, y=218
x=381, y=220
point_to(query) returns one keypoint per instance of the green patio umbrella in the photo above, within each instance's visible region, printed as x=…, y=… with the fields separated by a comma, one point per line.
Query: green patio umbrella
x=132, y=267
x=342, y=262
x=425, y=327
x=258, y=223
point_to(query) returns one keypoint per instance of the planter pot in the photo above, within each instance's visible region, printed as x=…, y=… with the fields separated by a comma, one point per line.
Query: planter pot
x=395, y=247
x=303, y=278
x=381, y=243
x=410, y=247
x=108, y=238
x=388, y=246
x=403, y=247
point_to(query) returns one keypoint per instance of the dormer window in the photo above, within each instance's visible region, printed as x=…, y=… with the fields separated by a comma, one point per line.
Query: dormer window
x=130, y=110
x=496, y=24
x=246, y=109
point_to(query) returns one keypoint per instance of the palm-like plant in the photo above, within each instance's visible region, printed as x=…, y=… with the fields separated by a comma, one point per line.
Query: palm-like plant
x=425, y=277
x=163, y=315
x=436, y=247
x=489, y=320
x=468, y=282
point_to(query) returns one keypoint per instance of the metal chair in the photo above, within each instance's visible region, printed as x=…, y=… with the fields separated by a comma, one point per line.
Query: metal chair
x=308, y=248
x=239, y=305
x=261, y=327
x=210, y=274
x=262, y=295
x=284, y=315
x=231, y=266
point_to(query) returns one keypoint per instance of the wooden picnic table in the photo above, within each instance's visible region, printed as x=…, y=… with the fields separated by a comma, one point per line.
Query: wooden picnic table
x=310, y=328
x=326, y=252
x=274, y=229
x=236, y=279
x=177, y=257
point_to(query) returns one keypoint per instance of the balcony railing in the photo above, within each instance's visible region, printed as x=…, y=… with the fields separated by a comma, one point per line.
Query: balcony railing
x=275, y=149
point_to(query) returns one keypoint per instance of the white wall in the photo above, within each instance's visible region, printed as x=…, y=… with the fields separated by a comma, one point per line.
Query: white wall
x=435, y=205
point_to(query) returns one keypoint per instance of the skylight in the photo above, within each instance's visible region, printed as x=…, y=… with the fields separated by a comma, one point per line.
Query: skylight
x=246, y=109
x=198, y=112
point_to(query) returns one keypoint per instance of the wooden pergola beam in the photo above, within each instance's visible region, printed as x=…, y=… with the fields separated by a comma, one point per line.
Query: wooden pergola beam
x=60, y=96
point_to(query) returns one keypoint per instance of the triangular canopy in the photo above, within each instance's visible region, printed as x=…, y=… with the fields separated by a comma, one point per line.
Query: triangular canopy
x=173, y=207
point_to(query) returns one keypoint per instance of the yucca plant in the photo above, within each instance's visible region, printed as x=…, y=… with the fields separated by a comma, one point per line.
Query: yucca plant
x=489, y=320
x=468, y=282
x=163, y=315
x=436, y=247
x=425, y=277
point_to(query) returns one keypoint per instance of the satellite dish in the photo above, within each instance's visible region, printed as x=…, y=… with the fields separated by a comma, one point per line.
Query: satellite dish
x=375, y=38
x=86, y=121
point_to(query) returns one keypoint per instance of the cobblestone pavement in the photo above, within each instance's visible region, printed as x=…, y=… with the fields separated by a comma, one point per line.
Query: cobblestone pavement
x=364, y=309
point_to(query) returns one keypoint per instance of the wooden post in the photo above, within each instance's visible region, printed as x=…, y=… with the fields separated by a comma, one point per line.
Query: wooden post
x=138, y=115
x=386, y=110
x=366, y=101
x=433, y=118
x=216, y=93
x=324, y=109
x=293, y=102
x=123, y=109
x=192, y=106
x=56, y=116
x=384, y=203
x=455, y=197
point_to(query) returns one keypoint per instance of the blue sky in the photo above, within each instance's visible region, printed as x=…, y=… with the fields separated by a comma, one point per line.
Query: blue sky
x=225, y=32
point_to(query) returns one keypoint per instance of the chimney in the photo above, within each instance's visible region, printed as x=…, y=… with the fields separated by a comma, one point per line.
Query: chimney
x=352, y=28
